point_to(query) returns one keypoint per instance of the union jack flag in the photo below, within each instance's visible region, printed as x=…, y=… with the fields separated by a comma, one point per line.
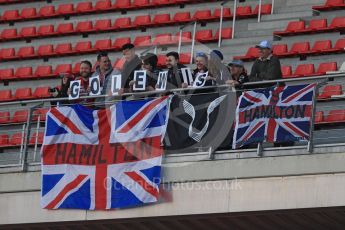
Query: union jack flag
x=276, y=114
x=103, y=159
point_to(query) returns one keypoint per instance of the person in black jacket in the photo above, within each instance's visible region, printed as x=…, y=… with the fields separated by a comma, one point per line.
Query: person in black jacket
x=267, y=66
x=239, y=76
x=132, y=63
x=175, y=79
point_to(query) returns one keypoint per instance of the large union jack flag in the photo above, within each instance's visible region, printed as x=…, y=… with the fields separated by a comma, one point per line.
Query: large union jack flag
x=103, y=159
x=276, y=114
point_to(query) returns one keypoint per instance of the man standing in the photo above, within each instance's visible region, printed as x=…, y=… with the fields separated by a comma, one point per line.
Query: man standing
x=267, y=66
x=133, y=63
x=175, y=79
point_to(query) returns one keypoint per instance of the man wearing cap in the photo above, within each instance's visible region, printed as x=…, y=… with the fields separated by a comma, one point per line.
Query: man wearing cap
x=267, y=66
x=238, y=75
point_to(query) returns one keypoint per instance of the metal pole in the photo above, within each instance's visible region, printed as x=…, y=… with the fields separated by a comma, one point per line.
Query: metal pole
x=21, y=146
x=259, y=149
x=260, y=8
x=220, y=25
x=193, y=43
x=155, y=50
x=272, y=9
x=180, y=41
x=36, y=139
x=234, y=19
x=312, y=120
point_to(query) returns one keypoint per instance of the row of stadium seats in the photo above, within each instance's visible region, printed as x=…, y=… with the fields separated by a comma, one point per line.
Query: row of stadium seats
x=66, y=49
x=333, y=117
x=106, y=25
x=16, y=139
x=329, y=91
x=301, y=49
x=46, y=71
x=331, y=5
x=24, y=94
x=307, y=70
x=87, y=7
x=21, y=116
x=315, y=26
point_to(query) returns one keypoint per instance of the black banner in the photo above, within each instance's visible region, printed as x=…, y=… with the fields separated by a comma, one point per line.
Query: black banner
x=200, y=121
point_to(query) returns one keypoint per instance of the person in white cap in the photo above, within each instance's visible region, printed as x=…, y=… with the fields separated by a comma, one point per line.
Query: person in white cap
x=267, y=66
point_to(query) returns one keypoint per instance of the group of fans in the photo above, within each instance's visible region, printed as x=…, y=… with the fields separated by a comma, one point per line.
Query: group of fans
x=266, y=67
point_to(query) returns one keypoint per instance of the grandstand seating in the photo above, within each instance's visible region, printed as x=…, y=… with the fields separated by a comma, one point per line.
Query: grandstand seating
x=329, y=91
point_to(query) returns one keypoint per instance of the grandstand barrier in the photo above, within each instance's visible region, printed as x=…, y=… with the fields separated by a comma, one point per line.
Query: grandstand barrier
x=24, y=139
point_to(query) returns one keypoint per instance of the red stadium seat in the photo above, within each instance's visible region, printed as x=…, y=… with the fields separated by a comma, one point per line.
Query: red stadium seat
x=28, y=31
x=84, y=46
x=286, y=71
x=300, y=48
x=141, y=3
x=64, y=48
x=63, y=68
x=45, y=50
x=5, y=117
x=8, y=53
x=304, y=70
x=141, y=41
x=41, y=92
x=84, y=26
x=46, y=30
x=65, y=9
x=4, y=139
x=329, y=91
x=186, y=37
x=204, y=36
x=47, y=11
x=318, y=25
x=43, y=71
x=292, y=28
x=10, y=15
x=76, y=68
x=102, y=5
x=27, y=13
x=337, y=23
x=319, y=117
x=23, y=72
x=84, y=7
x=163, y=39
x=23, y=94
x=16, y=139
x=41, y=112
x=5, y=95
x=26, y=52
x=280, y=49
x=203, y=15
x=337, y=115
x=331, y=5
x=327, y=67
x=104, y=44
x=161, y=2
x=251, y=54
x=7, y=34
x=182, y=17
x=123, y=4
x=161, y=19
x=320, y=47
x=226, y=33
x=142, y=20
x=226, y=13
x=119, y=42
x=244, y=11
x=65, y=28
x=119, y=63
x=39, y=135
x=265, y=9
x=161, y=61
x=122, y=23
x=102, y=25
x=185, y=58
x=6, y=74
x=340, y=45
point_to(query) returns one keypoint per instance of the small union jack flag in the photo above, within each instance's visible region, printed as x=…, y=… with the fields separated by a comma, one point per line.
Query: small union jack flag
x=276, y=114
x=103, y=159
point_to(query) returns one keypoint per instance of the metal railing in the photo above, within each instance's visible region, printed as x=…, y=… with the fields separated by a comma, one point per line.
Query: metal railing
x=28, y=146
